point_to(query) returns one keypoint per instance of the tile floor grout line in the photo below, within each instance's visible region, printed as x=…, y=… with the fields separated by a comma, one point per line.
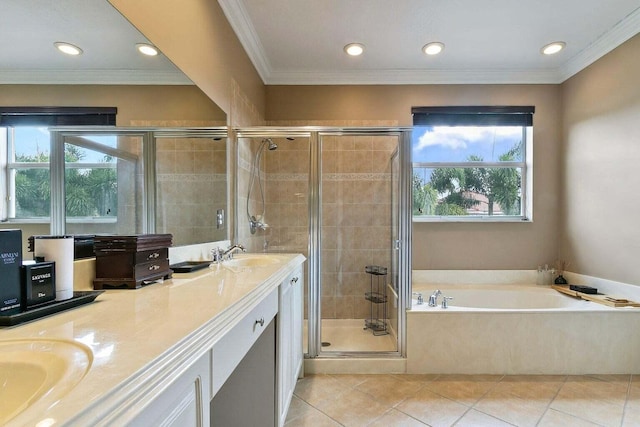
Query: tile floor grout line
x=566, y=377
x=321, y=411
x=626, y=401
x=473, y=407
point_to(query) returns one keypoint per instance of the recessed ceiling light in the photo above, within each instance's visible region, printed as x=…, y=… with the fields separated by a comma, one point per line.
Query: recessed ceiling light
x=552, y=48
x=433, y=48
x=68, y=48
x=147, y=49
x=354, y=49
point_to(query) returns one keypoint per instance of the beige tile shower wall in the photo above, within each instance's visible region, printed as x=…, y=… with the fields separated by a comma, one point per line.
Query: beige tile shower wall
x=287, y=191
x=356, y=216
x=191, y=176
x=192, y=183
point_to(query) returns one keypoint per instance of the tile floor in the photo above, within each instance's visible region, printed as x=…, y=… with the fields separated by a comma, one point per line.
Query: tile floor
x=466, y=400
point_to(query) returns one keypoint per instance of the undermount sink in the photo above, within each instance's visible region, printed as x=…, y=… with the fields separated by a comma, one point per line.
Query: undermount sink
x=38, y=372
x=252, y=261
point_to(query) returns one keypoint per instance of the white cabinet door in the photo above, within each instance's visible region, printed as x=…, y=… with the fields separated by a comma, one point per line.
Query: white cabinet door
x=184, y=402
x=289, y=340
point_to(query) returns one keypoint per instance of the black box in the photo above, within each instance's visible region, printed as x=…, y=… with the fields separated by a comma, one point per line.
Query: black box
x=38, y=283
x=584, y=289
x=10, y=263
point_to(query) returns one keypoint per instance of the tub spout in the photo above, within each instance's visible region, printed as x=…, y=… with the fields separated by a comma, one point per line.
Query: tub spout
x=433, y=299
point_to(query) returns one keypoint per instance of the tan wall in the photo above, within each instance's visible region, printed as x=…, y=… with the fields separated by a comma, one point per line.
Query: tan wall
x=198, y=39
x=601, y=133
x=149, y=103
x=451, y=245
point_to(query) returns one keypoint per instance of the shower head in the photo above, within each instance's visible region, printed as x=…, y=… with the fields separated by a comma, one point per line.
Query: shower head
x=272, y=145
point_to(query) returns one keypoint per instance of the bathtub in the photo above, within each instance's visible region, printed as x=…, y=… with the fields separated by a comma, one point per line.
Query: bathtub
x=519, y=329
x=503, y=297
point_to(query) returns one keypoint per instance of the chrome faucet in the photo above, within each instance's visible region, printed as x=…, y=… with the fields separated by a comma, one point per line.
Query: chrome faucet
x=433, y=299
x=218, y=255
x=228, y=254
x=419, y=297
x=445, y=301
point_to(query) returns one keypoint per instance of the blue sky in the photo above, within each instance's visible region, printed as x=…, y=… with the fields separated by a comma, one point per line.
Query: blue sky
x=457, y=143
x=30, y=140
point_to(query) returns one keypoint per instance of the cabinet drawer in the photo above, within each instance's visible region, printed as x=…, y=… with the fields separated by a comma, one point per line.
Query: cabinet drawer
x=232, y=347
x=154, y=255
x=152, y=268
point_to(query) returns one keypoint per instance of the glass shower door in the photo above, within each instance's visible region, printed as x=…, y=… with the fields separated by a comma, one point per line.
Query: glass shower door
x=358, y=305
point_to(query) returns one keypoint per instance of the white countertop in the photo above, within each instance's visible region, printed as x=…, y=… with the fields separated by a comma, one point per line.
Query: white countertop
x=136, y=334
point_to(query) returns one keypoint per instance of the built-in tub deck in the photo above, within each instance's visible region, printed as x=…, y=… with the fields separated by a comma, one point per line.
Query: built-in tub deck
x=518, y=328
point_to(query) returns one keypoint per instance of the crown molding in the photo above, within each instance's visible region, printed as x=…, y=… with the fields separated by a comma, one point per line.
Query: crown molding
x=94, y=77
x=409, y=77
x=241, y=24
x=620, y=33
x=239, y=20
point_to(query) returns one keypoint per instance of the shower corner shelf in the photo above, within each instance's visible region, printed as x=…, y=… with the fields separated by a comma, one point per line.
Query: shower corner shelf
x=377, y=297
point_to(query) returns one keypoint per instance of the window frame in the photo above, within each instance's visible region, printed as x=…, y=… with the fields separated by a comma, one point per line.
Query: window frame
x=12, y=117
x=482, y=116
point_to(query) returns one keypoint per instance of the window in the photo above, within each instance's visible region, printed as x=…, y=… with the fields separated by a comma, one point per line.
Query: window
x=472, y=163
x=25, y=163
x=28, y=185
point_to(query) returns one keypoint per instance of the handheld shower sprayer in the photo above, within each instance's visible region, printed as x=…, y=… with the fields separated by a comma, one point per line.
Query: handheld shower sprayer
x=255, y=221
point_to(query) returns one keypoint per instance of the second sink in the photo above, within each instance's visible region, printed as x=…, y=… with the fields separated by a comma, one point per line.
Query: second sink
x=251, y=261
x=38, y=372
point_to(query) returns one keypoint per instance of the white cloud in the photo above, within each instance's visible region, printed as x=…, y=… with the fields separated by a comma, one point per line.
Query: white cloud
x=460, y=137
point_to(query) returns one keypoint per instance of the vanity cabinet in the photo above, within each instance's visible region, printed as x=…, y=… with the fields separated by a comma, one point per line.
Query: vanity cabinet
x=290, y=352
x=256, y=365
x=233, y=364
x=184, y=402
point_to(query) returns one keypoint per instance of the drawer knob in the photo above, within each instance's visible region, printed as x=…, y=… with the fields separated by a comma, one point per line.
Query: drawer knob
x=294, y=280
x=154, y=267
x=260, y=321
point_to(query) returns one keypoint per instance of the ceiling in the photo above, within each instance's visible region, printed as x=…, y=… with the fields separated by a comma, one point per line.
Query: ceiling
x=301, y=41
x=486, y=41
x=28, y=29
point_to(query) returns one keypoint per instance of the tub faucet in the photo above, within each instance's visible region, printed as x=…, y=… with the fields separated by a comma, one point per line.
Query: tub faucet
x=445, y=303
x=419, y=296
x=433, y=299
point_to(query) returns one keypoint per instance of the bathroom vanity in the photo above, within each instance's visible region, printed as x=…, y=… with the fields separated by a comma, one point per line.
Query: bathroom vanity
x=219, y=346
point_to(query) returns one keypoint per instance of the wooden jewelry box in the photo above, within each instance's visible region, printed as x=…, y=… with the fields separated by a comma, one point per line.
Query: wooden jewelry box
x=129, y=262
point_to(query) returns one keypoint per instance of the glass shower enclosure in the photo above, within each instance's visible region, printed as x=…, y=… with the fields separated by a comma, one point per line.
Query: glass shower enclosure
x=335, y=195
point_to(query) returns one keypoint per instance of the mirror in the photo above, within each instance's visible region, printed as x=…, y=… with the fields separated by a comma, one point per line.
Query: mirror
x=148, y=92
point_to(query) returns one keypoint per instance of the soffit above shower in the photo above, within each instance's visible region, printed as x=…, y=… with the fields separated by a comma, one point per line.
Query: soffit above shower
x=486, y=41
